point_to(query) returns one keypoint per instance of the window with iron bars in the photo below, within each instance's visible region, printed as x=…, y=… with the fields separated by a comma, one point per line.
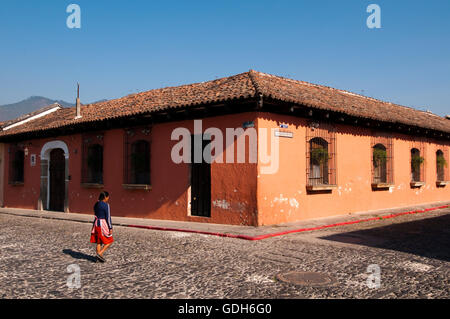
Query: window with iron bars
x=16, y=164
x=382, y=159
x=137, y=156
x=320, y=154
x=417, y=162
x=442, y=169
x=92, y=154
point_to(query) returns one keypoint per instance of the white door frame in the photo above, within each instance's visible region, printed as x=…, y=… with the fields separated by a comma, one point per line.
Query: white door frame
x=45, y=174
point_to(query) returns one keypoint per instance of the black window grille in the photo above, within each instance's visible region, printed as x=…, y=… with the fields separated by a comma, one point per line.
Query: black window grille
x=320, y=155
x=417, y=159
x=92, y=165
x=16, y=164
x=137, y=156
x=417, y=165
x=379, y=164
x=318, y=161
x=442, y=166
x=382, y=159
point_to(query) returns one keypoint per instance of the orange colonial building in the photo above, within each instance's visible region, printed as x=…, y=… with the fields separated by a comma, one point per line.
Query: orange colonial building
x=330, y=152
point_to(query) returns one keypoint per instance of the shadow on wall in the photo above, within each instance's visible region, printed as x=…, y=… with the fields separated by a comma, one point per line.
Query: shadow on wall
x=428, y=238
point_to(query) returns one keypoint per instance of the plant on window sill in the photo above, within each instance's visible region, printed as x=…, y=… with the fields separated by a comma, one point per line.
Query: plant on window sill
x=379, y=157
x=416, y=162
x=441, y=162
x=320, y=155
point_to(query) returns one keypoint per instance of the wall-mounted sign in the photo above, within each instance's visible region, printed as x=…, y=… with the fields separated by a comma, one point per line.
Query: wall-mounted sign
x=284, y=134
x=33, y=160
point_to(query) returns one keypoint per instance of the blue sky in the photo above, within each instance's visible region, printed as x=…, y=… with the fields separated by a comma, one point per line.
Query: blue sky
x=129, y=46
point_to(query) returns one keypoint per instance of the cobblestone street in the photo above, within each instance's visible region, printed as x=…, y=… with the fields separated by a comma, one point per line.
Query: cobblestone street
x=412, y=251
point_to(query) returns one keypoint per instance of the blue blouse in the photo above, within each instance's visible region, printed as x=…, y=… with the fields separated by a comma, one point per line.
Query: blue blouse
x=101, y=210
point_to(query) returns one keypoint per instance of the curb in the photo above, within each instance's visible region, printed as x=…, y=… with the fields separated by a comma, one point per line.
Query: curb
x=246, y=237
x=261, y=237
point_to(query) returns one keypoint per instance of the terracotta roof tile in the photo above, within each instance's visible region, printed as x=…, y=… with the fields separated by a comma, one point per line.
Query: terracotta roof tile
x=243, y=85
x=327, y=98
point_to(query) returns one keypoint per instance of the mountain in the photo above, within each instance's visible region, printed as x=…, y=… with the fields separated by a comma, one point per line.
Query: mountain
x=12, y=111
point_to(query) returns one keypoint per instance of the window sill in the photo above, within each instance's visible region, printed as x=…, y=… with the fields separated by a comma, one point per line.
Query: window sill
x=320, y=188
x=92, y=185
x=137, y=186
x=382, y=185
x=416, y=184
x=17, y=183
x=195, y=216
x=442, y=183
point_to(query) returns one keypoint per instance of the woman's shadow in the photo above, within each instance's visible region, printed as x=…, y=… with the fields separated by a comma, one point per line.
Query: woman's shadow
x=78, y=255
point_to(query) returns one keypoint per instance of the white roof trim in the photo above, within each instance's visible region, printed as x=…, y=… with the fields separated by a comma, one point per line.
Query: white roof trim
x=32, y=118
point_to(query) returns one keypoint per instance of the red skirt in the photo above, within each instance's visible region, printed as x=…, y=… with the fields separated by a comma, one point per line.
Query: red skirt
x=101, y=234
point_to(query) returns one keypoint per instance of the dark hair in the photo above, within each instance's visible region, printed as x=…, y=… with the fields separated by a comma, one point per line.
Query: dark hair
x=103, y=195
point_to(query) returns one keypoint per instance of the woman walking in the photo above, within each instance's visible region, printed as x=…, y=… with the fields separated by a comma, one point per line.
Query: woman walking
x=101, y=233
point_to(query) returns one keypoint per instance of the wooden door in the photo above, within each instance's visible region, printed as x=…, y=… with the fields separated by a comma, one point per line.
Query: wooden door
x=57, y=172
x=200, y=184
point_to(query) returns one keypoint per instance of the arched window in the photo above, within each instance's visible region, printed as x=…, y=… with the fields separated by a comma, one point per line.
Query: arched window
x=441, y=164
x=382, y=155
x=318, y=162
x=320, y=157
x=416, y=165
x=140, y=163
x=17, y=166
x=379, y=162
x=95, y=164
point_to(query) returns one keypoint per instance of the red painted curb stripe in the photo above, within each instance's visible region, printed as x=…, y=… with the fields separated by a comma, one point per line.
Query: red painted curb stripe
x=260, y=237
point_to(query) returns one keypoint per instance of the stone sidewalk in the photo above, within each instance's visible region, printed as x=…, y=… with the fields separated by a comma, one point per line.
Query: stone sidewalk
x=243, y=232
